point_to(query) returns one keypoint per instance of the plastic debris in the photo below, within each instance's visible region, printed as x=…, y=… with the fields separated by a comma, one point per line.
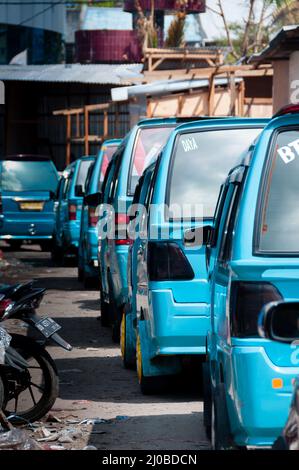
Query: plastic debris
x=5, y=339
x=52, y=419
x=16, y=439
x=93, y=421
x=121, y=418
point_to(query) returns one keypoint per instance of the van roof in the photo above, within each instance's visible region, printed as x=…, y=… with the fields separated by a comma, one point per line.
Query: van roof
x=172, y=120
x=27, y=157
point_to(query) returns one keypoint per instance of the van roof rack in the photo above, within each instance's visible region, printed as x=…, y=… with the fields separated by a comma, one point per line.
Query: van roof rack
x=288, y=109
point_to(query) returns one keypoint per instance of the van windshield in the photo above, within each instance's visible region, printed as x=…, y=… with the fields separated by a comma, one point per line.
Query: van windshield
x=148, y=145
x=201, y=163
x=28, y=176
x=279, y=221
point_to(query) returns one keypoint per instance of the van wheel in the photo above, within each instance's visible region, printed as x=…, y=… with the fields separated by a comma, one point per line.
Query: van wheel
x=56, y=254
x=127, y=359
x=105, y=317
x=115, y=316
x=149, y=385
x=46, y=245
x=2, y=394
x=207, y=399
x=15, y=245
x=80, y=274
x=220, y=435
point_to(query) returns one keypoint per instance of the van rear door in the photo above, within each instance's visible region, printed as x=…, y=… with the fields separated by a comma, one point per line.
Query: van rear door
x=28, y=186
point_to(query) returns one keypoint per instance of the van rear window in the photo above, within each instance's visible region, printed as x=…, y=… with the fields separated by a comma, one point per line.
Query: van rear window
x=201, y=163
x=106, y=159
x=279, y=218
x=82, y=173
x=28, y=176
x=149, y=143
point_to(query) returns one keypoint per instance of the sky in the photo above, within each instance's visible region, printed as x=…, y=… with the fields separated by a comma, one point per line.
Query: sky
x=235, y=10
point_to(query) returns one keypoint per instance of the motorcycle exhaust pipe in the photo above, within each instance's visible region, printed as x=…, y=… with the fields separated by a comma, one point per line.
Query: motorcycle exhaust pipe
x=60, y=341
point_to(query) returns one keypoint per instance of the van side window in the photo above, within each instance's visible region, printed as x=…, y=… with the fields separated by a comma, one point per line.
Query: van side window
x=67, y=185
x=116, y=173
x=107, y=185
x=227, y=236
x=60, y=187
x=218, y=213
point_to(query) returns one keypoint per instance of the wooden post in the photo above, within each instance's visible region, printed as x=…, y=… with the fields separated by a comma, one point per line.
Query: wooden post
x=86, y=131
x=77, y=125
x=211, y=96
x=241, y=98
x=105, y=124
x=68, y=139
x=116, y=117
x=232, y=94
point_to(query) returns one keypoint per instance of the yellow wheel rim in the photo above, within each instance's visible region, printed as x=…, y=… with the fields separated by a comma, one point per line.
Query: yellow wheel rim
x=139, y=359
x=123, y=335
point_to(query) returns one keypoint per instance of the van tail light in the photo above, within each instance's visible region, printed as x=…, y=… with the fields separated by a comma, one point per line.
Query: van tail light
x=5, y=307
x=92, y=216
x=166, y=261
x=121, y=232
x=72, y=212
x=246, y=302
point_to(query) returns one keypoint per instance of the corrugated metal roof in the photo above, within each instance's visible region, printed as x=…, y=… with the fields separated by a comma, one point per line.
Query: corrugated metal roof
x=102, y=74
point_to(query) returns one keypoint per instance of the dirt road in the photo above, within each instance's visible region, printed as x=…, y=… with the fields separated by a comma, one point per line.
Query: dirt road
x=93, y=382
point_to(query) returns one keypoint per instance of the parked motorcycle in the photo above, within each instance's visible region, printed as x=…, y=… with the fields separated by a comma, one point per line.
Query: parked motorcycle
x=29, y=374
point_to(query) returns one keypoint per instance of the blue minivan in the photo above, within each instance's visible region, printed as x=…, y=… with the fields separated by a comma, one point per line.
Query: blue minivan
x=170, y=278
x=137, y=150
x=28, y=185
x=253, y=258
x=68, y=208
x=88, y=271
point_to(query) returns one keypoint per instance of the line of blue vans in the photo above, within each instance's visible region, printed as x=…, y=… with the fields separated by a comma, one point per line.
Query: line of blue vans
x=190, y=229
x=188, y=270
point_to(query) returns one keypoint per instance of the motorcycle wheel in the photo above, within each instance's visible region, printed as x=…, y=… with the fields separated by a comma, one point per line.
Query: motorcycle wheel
x=30, y=394
x=1, y=394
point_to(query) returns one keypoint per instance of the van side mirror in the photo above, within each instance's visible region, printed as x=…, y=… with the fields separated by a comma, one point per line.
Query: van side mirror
x=79, y=192
x=279, y=321
x=198, y=236
x=93, y=199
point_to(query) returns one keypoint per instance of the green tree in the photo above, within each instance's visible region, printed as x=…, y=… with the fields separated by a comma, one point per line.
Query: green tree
x=252, y=34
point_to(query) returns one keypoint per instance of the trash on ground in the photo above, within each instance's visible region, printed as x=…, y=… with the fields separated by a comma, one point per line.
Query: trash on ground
x=17, y=439
x=52, y=419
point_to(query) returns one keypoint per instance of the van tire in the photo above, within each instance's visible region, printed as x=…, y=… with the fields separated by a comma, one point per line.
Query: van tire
x=115, y=316
x=104, y=306
x=220, y=434
x=15, y=245
x=2, y=394
x=80, y=274
x=207, y=399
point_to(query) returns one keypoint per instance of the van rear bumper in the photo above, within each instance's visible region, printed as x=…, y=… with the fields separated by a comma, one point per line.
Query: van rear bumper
x=178, y=328
x=258, y=411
